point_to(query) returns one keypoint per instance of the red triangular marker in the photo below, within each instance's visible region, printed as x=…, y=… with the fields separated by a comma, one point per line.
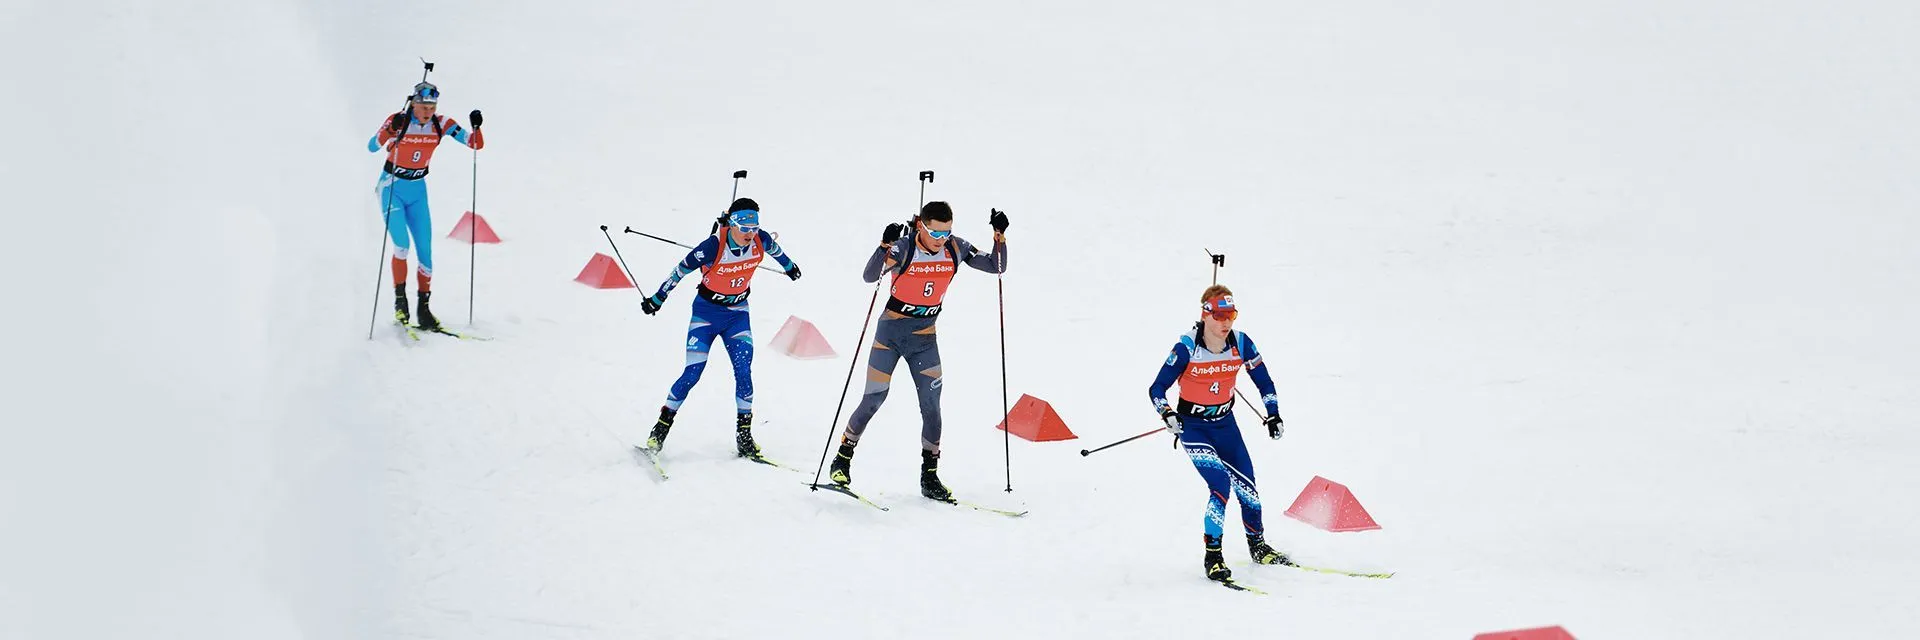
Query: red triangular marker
x=1034, y=420
x=800, y=339
x=474, y=227
x=1541, y=633
x=603, y=273
x=1330, y=506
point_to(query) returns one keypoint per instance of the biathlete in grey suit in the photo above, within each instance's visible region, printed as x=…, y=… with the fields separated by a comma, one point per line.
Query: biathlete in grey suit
x=923, y=264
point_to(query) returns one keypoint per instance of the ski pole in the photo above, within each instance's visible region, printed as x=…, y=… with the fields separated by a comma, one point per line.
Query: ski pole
x=840, y=405
x=473, y=231
x=386, y=214
x=1088, y=452
x=623, y=261
x=1006, y=411
x=1251, y=405
x=925, y=177
x=737, y=177
x=689, y=248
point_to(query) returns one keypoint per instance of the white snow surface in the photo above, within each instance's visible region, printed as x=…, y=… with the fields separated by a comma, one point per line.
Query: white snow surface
x=1604, y=310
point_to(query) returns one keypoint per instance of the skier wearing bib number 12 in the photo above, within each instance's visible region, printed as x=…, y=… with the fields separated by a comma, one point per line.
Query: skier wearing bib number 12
x=409, y=138
x=923, y=260
x=726, y=261
x=1205, y=363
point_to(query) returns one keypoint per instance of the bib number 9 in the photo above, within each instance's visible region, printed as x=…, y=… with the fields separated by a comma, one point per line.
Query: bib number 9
x=416, y=156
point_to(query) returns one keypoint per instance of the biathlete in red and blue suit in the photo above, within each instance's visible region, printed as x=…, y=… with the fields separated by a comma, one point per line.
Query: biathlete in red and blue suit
x=726, y=261
x=1205, y=363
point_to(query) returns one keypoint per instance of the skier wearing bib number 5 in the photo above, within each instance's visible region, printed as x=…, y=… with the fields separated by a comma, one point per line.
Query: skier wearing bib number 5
x=726, y=261
x=409, y=138
x=923, y=261
x=1205, y=363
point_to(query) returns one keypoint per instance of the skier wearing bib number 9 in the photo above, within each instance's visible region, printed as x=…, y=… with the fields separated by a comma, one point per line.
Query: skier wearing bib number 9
x=409, y=138
x=727, y=261
x=923, y=261
x=1205, y=363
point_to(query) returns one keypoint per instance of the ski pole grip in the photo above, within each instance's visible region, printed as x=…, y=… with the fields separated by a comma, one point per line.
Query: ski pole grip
x=603, y=227
x=926, y=176
x=740, y=174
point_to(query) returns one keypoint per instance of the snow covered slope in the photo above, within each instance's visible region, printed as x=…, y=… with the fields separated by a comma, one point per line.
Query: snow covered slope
x=1604, y=312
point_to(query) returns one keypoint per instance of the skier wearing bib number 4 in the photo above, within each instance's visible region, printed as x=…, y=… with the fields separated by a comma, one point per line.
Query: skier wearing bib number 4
x=726, y=261
x=923, y=260
x=1205, y=363
x=409, y=139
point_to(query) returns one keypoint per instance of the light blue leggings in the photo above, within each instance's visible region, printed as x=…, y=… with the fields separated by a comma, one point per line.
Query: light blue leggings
x=407, y=215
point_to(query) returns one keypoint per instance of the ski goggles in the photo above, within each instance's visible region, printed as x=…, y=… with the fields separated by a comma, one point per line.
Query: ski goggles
x=939, y=235
x=747, y=220
x=426, y=93
x=1220, y=308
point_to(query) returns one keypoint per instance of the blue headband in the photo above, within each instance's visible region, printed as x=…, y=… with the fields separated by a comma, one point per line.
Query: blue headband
x=744, y=218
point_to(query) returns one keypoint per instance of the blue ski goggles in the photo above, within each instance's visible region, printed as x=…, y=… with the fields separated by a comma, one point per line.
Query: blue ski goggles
x=939, y=235
x=426, y=93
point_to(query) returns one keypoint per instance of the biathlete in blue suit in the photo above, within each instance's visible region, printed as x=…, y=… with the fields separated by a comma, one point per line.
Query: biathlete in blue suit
x=726, y=261
x=1205, y=364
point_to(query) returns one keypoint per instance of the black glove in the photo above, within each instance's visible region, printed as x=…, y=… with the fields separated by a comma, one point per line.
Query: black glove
x=398, y=122
x=793, y=272
x=719, y=222
x=998, y=220
x=474, y=117
x=1275, y=426
x=652, y=303
x=893, y=233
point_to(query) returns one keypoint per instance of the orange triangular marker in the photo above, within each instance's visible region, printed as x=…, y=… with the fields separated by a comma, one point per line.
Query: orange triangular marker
x=1035, y=420
x=603, y=273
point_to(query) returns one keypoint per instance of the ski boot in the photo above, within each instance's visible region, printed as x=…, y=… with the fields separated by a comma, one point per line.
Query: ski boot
x=400, y=304
x=1263, y=554
x=743, y=436
x=930, y=482
x=658, y=438
x=841, y=473
x=427, y=321
x=1213, y=562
